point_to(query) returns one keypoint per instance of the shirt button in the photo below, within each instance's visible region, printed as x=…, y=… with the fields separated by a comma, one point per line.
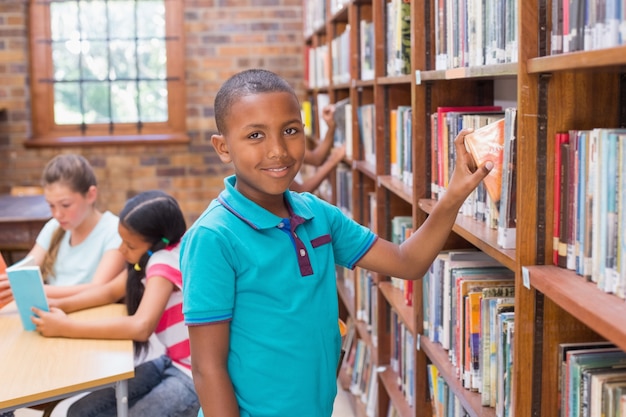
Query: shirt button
x=281, y=225
x=302, y=252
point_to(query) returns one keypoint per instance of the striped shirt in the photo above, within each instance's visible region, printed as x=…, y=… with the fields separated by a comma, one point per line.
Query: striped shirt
x=171, y=330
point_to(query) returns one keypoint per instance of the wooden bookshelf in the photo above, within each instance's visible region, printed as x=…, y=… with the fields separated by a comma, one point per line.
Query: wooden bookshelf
x=577, y=90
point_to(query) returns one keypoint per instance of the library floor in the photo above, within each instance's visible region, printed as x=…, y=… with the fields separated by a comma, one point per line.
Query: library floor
x=342, y=408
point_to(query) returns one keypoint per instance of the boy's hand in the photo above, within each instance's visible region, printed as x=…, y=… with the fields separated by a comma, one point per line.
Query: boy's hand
x=328, y=113
x=50, y=323
x=6, y=295
x=466, y=175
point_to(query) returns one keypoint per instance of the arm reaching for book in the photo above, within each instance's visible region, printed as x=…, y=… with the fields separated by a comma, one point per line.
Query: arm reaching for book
x=319, y=154
x=412, y=258
x=313, y=181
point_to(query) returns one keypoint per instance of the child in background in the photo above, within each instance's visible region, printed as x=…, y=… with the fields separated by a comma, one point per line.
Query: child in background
x=78, y=247
x=323, y=156
x=151, y=225
x=259, y=285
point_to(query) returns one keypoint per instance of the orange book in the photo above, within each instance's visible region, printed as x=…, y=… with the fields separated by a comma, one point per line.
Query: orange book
x=487, y=144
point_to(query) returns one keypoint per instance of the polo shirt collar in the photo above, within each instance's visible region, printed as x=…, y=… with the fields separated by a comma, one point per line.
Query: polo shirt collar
x=255, y=215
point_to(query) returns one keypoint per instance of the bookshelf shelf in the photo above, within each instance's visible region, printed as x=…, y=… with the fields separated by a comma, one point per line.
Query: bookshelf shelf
x=389, y=380
x=396, y=299
x=366, y=168
x=569, y=91
x=479, y=235
x=600, y=311
x=399, y=79
x=582, y=60
x=470, y=400
x=397, y=187
x=484, y=71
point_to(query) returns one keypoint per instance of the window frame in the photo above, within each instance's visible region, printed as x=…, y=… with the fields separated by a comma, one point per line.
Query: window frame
x=45, y=132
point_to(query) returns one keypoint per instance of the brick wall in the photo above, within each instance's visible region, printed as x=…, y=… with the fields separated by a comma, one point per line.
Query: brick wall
x=222, y=37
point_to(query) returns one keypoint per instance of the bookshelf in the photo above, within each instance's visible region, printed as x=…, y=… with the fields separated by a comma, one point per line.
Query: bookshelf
x=574, y=90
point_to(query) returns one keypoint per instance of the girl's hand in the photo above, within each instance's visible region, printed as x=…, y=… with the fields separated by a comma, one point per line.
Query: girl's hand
x=6, y=295
x=50, y=323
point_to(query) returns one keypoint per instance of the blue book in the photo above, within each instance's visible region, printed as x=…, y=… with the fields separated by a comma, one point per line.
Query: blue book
x=27, y=287
x=581, y=206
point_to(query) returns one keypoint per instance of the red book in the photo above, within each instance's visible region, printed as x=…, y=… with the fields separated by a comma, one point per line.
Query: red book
x=561, y=138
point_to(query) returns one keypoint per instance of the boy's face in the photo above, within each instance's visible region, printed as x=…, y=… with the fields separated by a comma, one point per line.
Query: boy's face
x=264, y=139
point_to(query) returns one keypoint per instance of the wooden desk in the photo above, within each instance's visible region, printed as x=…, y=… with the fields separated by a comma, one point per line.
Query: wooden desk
x=37, y=369
x=21, y=219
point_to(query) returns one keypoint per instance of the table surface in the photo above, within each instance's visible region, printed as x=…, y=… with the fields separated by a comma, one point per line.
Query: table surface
x=23, y=208
x=35, y=369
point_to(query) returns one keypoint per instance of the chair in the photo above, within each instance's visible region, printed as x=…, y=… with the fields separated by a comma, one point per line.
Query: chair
x=47, y=408
x=21, y=190
x=12, y=254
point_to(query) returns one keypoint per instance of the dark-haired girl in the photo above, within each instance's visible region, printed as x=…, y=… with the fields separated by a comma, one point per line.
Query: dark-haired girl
x=151, y=225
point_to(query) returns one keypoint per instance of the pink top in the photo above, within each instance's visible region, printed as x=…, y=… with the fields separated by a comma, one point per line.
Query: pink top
x=171, y=330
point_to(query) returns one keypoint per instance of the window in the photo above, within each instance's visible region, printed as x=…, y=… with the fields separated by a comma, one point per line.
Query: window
x=107, y=71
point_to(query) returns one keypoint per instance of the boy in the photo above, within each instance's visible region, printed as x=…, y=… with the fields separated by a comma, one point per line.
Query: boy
x=258, y=266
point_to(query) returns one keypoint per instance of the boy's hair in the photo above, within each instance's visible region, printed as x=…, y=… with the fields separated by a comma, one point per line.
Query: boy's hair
x=248, y=82
x=75, y=172
x=158, y=219
x=72, y=170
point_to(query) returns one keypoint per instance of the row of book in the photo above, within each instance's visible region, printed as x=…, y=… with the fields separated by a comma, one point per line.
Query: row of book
x=402, y=357
x=398, y=38
x=314, y=125
x=340, y=57
x=314, y=16
x=444, y=402
x=592, y=380
x=317, y=66
x=401, y=144
x=361, y=369
x=494, y=201
x=589, y=222
x=401, y=230
x=468, y=309
x=584, y=25
x=474, y=33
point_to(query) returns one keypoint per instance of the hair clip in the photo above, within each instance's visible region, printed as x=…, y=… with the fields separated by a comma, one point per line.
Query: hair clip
x=137, y=267
x=165, y=240
x=150, y=253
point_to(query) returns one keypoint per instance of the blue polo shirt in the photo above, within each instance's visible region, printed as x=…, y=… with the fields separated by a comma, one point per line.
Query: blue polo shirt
x=274, y=279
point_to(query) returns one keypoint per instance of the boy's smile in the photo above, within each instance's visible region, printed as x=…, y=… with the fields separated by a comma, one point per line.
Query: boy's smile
x=264, y=139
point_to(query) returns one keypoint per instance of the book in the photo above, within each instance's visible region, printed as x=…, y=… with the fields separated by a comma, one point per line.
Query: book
x=487, y=144
x=563, y=205
x=508, y=196
x=3, y=265
x=27, y=287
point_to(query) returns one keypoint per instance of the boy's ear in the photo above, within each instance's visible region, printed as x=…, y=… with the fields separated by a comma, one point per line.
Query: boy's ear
x=220, y=146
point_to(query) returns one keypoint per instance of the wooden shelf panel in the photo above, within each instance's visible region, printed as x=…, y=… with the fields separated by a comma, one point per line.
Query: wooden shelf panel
x=598, y=310
x=470, y=400
x=485, y=71
x=366, y=168
x=396, y=299
x=389, y=380
x=397, y=187
x=400, y=79
x=582, y=60
x=479, y=235
x=346, y=298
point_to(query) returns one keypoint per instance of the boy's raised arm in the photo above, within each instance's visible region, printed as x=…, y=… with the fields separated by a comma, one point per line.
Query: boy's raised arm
x=412, y=258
